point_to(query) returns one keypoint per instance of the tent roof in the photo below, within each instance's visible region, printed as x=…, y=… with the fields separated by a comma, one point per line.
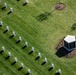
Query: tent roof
x=69, y=38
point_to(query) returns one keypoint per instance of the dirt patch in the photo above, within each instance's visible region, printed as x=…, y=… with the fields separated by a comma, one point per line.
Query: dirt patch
x=60, y=6
x=72, y=53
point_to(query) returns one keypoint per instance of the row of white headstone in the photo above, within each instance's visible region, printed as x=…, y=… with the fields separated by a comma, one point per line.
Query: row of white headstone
x=45, y=61
x=22, y=65
x=15, y=60
x=26, y=44
x=5, y=4
x=11, y=9
x=13, y=33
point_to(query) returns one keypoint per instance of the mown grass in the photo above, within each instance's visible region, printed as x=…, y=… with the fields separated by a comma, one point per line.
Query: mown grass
x=43, y=36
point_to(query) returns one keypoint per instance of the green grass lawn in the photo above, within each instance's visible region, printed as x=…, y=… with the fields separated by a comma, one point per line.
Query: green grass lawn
x=42, y=35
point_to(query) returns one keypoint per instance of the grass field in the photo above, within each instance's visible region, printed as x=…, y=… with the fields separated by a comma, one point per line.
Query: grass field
x=43, y=35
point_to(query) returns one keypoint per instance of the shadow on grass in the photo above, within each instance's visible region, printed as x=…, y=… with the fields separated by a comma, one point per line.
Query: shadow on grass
x=57, y=73
x=51, y=68
x=62, y=52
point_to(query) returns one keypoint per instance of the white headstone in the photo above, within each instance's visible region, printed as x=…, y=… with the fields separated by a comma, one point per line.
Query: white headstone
x=13, y=33
x=59, y=70
x=33, y=49
x=29, y=71
x=20, y=38
x=9, y=54
x=52, y=65
x=1, y=23
x=39, y=54
x=27, y=1
x=2, y=48
x=22, y=65
x=5, y=5
x=26, y=43
x=7, y=28
x=15, y=59
x=11, y=9
x=45, y=59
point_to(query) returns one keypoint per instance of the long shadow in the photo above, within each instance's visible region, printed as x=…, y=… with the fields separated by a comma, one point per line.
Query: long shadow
x=24, y=47
x=51, y=68
x=37, y=58
x=43, y=63
x=1, y=52
x=30, y=52
x=13, y=63
x=11, y=36
x=24, y=4
x=62, y=52
x=3, y=8
x=57, y=73
x=27, y=73
x=7, y=57
x=5, y=31
x=18, y=0
x=9, y=12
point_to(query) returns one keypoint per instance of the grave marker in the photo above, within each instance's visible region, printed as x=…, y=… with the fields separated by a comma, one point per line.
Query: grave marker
x=52, y=67
x=15, y=61
x=45, y=61
x=26, y=2
x=32, y=50
x=13, y=34
x=29, y=71
x=2, y=50
x=26, y=44
x=21, y=67
x=9, y=55
x=11, y=10
x=5, y=6
x=59, y=71
x=7, y=29
x=38, y=56
x=19, y=40
x=1, y=23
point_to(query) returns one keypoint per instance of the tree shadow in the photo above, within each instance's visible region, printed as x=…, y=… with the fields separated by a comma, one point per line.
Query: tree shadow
x=43, y=16
x=62, y=52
